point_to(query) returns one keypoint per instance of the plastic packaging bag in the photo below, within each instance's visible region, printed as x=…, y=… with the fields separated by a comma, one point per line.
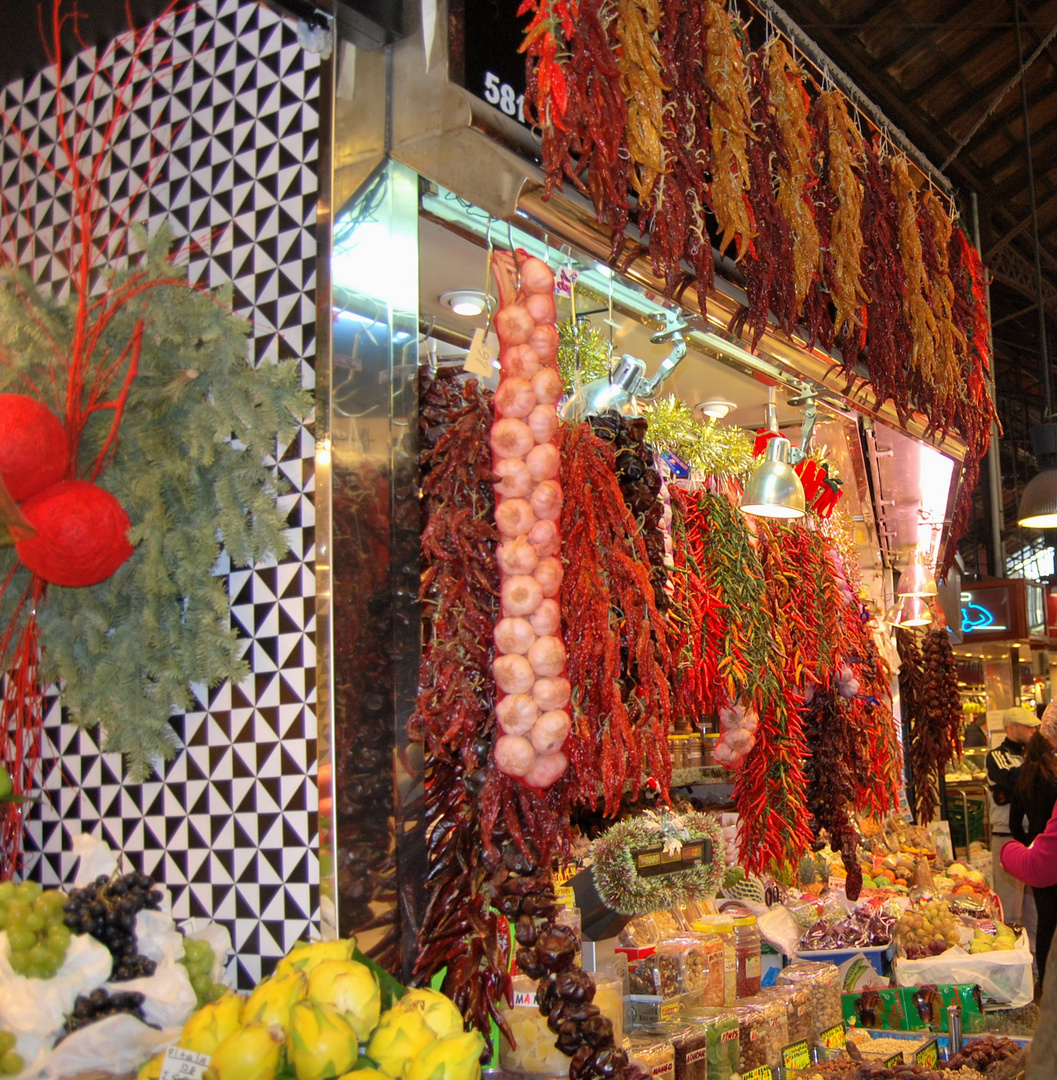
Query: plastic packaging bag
x=120, y=1043
x=1003, y=977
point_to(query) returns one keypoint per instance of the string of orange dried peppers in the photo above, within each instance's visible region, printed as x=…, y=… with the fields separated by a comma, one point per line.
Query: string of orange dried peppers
x=618, y=655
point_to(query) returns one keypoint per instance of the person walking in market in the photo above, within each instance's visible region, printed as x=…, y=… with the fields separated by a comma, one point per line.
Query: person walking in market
x=1037, y=866
x=975, y=737
x=1003, y=764
x=1030, y=808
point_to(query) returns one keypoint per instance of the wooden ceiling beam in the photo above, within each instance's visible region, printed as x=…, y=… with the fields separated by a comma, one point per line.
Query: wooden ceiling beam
x=1040, y=144
x=1002, y=116
x=1021, y=226
x=954, y=65
x=914, y=39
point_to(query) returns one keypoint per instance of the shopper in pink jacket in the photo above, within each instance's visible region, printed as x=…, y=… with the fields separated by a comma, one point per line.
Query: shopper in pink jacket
x=1037, y=866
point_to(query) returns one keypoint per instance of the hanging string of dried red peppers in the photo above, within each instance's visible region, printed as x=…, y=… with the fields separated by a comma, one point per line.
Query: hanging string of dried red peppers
x=618, y=656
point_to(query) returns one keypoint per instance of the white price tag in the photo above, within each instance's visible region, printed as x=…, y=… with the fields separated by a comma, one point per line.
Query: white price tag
x=479, y=358
x=181, y=1064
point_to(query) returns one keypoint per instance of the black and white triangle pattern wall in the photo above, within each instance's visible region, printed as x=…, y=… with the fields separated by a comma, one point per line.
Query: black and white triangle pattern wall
x=230, y=825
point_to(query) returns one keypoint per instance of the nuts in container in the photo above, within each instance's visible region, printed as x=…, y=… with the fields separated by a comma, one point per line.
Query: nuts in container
x=763, y=1031
x=655, y=975
x=799, y=1016
x=823, y=980
x=881, y=1048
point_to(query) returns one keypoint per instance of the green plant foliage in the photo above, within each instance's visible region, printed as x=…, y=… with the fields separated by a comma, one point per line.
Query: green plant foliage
x=191, y=470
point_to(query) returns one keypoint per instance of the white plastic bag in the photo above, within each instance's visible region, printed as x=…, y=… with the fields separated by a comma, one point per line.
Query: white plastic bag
x=780, y=929
x=219, y=941
x=1004, y=977
x=117, y=1044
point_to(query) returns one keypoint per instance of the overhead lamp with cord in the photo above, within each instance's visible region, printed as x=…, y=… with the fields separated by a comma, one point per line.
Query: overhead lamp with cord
x=774, y=490
x=1038, y=503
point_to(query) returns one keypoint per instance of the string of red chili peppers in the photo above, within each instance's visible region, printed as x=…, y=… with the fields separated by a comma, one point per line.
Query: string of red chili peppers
x=618, y=656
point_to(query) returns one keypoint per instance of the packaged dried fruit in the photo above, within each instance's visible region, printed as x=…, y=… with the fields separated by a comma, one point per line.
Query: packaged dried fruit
x=657, y=974
x=653, y=1052
x=771, y=1029
x=722, y=1029
x=638, y=933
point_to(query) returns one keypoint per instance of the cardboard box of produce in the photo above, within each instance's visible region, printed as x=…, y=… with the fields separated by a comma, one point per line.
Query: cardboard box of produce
x=911, y=1008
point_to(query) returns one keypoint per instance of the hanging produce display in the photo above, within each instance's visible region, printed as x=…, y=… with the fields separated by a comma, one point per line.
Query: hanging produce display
x=529, y=665
x=932, y=707
x=617, y=640
x=812, y=211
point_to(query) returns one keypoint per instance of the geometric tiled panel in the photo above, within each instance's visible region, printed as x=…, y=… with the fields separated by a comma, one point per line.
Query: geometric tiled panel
x=230, y=825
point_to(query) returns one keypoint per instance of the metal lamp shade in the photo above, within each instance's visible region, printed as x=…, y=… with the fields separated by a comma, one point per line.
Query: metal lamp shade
x=914, y=611
x=774, y=490
x=1038, y=504
x=917, y=579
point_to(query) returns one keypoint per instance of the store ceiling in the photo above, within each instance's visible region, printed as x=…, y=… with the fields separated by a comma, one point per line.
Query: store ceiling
x=936, y=67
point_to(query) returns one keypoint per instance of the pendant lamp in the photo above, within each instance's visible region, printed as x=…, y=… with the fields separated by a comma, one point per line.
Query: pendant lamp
x=1038, y=503
x=917, y=579
x=774, y=490
x=914, y=611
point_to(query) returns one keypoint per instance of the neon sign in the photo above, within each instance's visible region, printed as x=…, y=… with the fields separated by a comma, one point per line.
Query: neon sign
x=976, y=616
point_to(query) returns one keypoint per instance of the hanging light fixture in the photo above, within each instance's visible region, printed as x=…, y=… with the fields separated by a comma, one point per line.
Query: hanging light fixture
x=917, y=579
x=774, y=489
x=1038, y=503
x=914, y=611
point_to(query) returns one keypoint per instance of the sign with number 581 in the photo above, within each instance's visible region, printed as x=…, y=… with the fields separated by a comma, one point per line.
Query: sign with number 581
x=502, y=95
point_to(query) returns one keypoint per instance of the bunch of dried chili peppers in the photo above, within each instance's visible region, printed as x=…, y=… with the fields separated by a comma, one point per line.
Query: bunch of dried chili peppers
x=618, y=656
x=928, y=686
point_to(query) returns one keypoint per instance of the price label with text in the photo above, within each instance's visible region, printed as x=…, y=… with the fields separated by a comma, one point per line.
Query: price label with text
x=762, y=1073
x=796, y=1055
x=894, y=1061
x=179, y=1064
x=928, y=1055
x=833, y=1038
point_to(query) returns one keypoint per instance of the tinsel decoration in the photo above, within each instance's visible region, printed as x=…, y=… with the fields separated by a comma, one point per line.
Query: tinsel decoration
x=584, y=353
x=618, y=882
x=720, y=453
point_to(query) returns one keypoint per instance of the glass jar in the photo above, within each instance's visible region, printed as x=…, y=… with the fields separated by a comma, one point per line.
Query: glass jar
x=694, y=754
x=723, y=925
x=709, y=741
x=747, y=946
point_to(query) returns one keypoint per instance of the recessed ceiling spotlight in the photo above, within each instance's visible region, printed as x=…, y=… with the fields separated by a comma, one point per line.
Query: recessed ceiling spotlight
x=466, y=302
x=715, y=408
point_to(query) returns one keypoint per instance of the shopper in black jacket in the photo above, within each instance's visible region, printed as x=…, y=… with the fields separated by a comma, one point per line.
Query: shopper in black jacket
x=1030, y=807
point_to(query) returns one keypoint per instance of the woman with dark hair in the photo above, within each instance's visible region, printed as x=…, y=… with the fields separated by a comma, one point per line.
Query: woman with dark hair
x=1030, y=808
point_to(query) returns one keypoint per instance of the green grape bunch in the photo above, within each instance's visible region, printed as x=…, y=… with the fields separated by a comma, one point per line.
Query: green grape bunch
x=198, y=958
x=33, y=920
x=11, y=1064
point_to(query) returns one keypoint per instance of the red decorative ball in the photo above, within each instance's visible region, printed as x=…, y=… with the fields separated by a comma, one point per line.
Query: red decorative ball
x=80, y=534
x=34, y=451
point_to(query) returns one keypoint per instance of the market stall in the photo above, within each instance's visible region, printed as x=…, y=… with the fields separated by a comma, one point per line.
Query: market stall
x=632, y=497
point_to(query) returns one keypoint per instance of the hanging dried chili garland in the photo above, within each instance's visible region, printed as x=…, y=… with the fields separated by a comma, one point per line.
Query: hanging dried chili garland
x=928, y=686
x=768, y=265
x=618, y=657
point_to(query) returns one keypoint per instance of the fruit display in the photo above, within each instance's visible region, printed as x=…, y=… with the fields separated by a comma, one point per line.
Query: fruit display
x=199, y=960
x=864, y=928
x=927, y=928
x=323, y=1015
x=33, y=921
x=1002, y=940
x=99, y=1004
x=11, y=1064
x=107, y=910
x=982, y=1053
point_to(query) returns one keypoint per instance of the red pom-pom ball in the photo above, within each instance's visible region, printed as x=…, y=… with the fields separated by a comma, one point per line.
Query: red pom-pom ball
x=34, y=451
x=80, y=534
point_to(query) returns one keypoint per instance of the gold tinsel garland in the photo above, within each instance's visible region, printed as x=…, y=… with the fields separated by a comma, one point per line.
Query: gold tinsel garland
x=718, y=452
x=584, y=353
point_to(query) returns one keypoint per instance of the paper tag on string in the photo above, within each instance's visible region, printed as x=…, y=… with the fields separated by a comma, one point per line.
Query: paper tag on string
x=180, y=1064
x=564, y=280
x=479, y=359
